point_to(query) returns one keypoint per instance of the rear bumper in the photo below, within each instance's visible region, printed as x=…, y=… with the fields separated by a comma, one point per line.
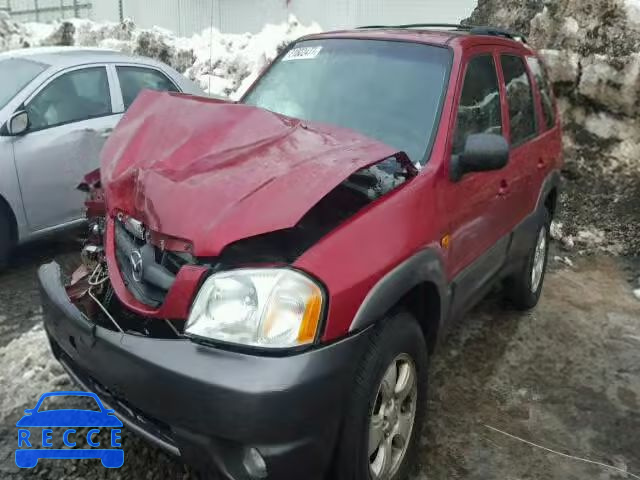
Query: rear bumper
x=207, y=404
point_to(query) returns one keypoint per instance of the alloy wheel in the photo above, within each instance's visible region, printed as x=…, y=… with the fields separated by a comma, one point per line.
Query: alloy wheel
x=392, y=418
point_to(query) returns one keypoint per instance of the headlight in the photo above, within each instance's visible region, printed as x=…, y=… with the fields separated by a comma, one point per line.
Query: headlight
x=272, y=308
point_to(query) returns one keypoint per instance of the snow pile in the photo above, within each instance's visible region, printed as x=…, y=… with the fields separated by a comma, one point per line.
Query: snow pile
x=10, y=33
x=592, y=51
x=223, y=64
x=28, y=370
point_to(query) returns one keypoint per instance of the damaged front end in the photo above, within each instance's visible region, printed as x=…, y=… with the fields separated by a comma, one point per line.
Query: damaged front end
x=89, y=287
x=158, y=229
x=148, y=262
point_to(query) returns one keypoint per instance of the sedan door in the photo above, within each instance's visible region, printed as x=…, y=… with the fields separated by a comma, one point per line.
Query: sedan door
x=70, y=118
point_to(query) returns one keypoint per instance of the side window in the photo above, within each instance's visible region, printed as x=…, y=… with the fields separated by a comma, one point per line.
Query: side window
x=479, y=110
x=544, y=85
x=72, y=97
x=135, y=79
x=522, y=113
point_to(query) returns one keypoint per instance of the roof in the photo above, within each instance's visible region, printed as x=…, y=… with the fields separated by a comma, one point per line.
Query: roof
x=438, y=37
x=63, y=57
x=438, y=34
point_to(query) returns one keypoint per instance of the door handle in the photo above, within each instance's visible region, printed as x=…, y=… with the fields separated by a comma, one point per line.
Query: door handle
x=504, y=188
x=103, y=132
x=541, y=164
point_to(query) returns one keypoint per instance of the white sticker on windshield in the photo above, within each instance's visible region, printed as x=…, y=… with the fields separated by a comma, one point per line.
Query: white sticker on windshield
x=302, y=53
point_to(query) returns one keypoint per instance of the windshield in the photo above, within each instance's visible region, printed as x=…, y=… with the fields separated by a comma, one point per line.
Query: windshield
x=15, y=74
x=389, y=91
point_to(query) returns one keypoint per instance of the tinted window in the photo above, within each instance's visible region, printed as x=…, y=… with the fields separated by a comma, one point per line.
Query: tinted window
x=544, y=85
x=522, y=117
x=479, y=110
x=135, y=79
x=15, y=74
x=389, y=91
x=74, y=96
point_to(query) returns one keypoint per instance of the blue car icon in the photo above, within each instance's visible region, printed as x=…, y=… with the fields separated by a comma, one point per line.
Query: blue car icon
x=28, y=453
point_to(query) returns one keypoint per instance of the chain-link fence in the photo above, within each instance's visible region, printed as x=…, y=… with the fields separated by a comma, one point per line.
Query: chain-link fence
x=46, y=10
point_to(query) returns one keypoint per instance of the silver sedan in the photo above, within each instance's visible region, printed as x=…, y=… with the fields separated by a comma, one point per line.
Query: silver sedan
x=57, y=107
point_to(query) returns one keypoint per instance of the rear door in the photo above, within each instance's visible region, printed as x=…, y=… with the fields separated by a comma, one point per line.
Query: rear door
x=475, y=204
x=70, y=116
x=524, y=141
x=549, y=143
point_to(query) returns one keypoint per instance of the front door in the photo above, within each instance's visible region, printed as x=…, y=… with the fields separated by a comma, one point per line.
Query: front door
x=69, y=120
x=476, y=203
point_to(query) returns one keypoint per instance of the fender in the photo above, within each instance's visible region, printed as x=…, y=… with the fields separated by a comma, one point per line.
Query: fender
x=10, y=193
x=553, y=180
x=525, y=233
x=424, y=266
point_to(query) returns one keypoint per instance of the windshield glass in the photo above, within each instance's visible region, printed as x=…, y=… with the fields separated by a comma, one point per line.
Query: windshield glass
x=389, y=91
x=15, y=74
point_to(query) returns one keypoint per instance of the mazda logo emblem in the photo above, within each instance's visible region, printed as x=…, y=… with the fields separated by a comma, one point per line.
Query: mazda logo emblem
x=136, y=265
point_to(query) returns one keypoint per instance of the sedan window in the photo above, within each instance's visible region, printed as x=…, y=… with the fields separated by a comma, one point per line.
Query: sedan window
x=72, y=97
x=15, y=74
x=135, y=79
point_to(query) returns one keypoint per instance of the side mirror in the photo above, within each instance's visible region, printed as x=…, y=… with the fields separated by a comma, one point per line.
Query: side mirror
x=18, y=123
x=483, y=152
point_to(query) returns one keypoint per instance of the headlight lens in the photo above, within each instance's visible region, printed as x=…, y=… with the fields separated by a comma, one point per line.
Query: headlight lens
x=272, y=308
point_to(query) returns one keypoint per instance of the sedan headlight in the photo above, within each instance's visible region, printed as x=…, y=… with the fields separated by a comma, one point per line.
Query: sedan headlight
x=270, y=307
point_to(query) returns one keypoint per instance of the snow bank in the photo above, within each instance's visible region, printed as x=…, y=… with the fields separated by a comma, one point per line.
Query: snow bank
x=28, y=370
x=223, y=64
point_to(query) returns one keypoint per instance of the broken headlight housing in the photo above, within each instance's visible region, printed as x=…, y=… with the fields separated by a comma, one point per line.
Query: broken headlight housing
x=266, y=307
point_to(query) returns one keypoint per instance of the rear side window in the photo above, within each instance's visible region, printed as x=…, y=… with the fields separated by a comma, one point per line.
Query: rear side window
x=135, y=79
x=522, y=117
x=479, y=110
x=544, y=85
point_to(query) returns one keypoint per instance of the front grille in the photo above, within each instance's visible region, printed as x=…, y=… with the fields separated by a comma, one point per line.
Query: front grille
x=147, y=271
x=134, y=324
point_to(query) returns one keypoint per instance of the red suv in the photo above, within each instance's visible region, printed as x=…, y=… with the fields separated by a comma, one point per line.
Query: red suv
x=264, y=281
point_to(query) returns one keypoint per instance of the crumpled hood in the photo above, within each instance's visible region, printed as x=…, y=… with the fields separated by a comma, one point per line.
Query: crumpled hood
x=212, y=172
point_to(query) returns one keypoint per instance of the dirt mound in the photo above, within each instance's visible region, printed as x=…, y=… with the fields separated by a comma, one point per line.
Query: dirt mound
x=592, y=51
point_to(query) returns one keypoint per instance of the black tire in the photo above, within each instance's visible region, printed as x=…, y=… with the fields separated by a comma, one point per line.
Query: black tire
x=6, y=237
x=519, y=289
x=398, y=334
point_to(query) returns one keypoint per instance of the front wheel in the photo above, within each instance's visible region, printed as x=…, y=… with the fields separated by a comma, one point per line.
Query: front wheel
x=386, y=409
x=524, y=288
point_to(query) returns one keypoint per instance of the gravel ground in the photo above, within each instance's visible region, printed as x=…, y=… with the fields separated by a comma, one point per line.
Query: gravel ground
x=565, y=376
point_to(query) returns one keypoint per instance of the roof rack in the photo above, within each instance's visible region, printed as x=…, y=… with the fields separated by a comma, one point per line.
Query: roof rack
x=474, y=30
x=422, y=25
